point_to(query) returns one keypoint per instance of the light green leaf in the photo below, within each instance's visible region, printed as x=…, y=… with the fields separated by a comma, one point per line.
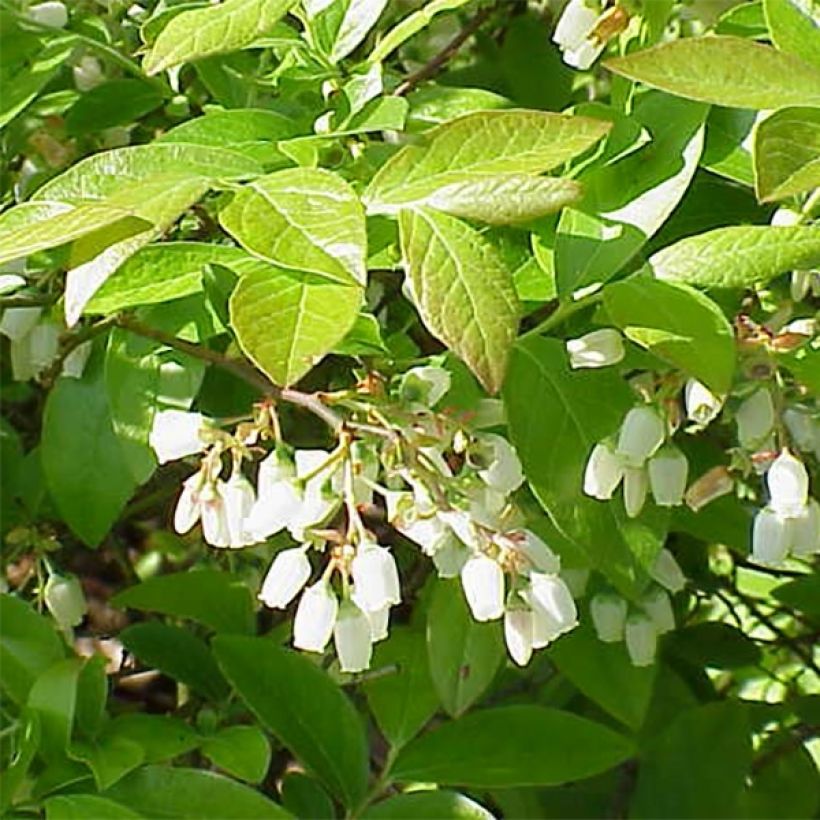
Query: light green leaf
x=160, y=736
x=192, y=595
x=286, y=321
x=676, y=323
x=241, y=751
x=28, y=646
x=464, y=655
x=199, y=33
x=308, y=220
x=110, y=758
x=628, y=200
x=303, y=708
x=53, y=696
x=85, y=469
x=85, y=806
x=478, y=145
x=794, y=30
x=512, y=746
x=339, y=26
x=194, y=794
x=730, y=71
x=787, y=153
x=436, y=104
x=727, y=135
x=101, y=175
x=443, y=805
x=542, y=396
x=739, y=256
x=463, y=290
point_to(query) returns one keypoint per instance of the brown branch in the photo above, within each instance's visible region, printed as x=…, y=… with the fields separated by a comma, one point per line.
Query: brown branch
x=438, y=61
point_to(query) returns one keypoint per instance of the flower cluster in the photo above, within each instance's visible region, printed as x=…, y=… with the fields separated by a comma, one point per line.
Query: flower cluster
x=653, y=617
x=443, y=485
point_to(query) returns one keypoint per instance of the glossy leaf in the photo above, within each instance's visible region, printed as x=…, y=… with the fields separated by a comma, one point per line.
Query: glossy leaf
x=110, y=758
x=463, y=654
x=730, y=71
x=194, y=595
x=308, y=220
x=512, y=746
x=303, y=708
x=53, y=695
x=310, y=314
x=160, y=736
x=116, y=102
x=200, y=33
x=340, y=26
x=241, y=751
x=793, y=29
x=739, y=256
x=463, y=290
x=84, y=806
x=443, y=805
x=787, y=153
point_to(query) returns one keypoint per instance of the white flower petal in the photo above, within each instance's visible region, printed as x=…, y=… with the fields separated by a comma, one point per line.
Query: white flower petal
x=315, y=617
x=806, y=530
x=658, y=606
x=519, y=634
x=636, y=484
x=666, y=571
x=608, y=616
x=551, y=595
x=375, y=577
x=788, y=484
x=352, y=638
x=772, y=536
x=641, y=640
x=483, y=582
x=187, y=511
x=603, y=473
x=755, y=418
x=175, y=434
x=288, y=573
x=600, y=348
x=668, y=471
x=504, y=472
x=239, y=499
x=702, y=406
x=641, y=434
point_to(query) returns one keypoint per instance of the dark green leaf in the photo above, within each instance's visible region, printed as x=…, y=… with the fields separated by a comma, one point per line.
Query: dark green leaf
x=116, y=102
x=442, y=805
x=241, y=751
x=85, y=807
x=54, y=696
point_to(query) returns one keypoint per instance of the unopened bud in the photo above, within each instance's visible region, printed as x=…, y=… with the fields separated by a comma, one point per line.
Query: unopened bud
x=788, y=484
x=603, y=472
x=636, y=484
x=641, y=640
x=668, y=470
x=755, y=418
x=657, y=605
x=771, y=537
x=65, y=600
x=806, y=530
x=666, y=571
x=51, y=14
x=608, y=616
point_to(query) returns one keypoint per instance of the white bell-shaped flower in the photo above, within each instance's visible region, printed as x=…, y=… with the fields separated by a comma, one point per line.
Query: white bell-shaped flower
x=636, y=484
x=379, y=619
x=65, y=599
x=315, y=617
x=529, y=545
x=322, y=494
x=44, y=346
x=805, y=538
x=788, y=484
x=375, y=577
x=176, y=434
x=641, y=639
x=239, y=498
x=755, y=418
x=18, y=322
x=668, y=471
x=771, y=537
x=803, y=427
x=87, y=73
x=658, y=606
x=573, y=34
x=608, y=616
x=550, y=596
x=74, y=364
x=188, y=509
x=212, y=512
x=22, y=367
x=666, y=571
x=52, y=14
x=483, y=582
x=641, y=434
x=352, y=638
x=504, y=472
x=603, y=472
x=702, y=405
x=286, y=577
x=519, y=634
x=426, y=385
x=278, y=496
x=600, y=348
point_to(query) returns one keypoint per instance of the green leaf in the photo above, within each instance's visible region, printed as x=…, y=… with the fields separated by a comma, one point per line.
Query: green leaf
x=697, y=766
x=725, y=152
x=241, y=751
x=28, y=646
x=102, y=175
x=739, y=256
x=62, y=224
x=162, y=791
x=543, y=395
x=304, y=796
x=303, y=708
x=179, y=654
x=802, y=594
x=402, y=702
x=512, y=746
x=92, y=693
x=339, y=26
x=604, y=673
x=713, y=644
x=677, y=324
x=86, y=471
x=628, y=199
x=199, y=33
x=116, y=102
x=463, y=654
x=363, y=339
x=85, y=806
x=787, y=153
x=305, y=219
x=27, y=742
x=311, y=315
x=505, y=144
x=443, y=805
x=54, y=696
x=463, y=290
x=160, y=736
x=110, y=758
x=166, y=271
x=730, y=71
x=793, y=29
x=193, y=595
